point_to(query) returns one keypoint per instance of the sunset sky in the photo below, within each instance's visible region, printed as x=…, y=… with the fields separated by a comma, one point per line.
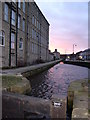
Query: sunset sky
x=68, y=25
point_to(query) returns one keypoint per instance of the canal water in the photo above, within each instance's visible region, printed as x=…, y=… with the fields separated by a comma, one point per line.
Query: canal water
x=56, y=80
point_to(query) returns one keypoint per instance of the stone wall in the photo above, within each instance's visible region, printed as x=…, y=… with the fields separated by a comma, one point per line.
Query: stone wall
x=21, y=34
x=27, y=107
x=78, y=99
x=79, y=63
x=21, y=106
x=39, y=69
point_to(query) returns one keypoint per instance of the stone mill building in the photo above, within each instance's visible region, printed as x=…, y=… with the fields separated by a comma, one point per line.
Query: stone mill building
x=24, y=34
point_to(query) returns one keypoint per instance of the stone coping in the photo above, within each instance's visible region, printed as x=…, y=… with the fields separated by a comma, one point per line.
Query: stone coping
x=79, y=89
x=18, y=71
x=24, y=85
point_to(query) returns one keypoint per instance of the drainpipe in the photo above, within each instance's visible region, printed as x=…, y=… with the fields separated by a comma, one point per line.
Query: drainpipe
x=40, y=41
x=10, y=35
x=27, y=51
x=16, y=28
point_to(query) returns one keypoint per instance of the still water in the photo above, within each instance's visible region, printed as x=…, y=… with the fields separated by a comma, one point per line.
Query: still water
x=56, y=80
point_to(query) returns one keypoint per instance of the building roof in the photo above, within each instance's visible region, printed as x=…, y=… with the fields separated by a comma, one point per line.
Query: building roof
x=41, y=12
x=87, y=50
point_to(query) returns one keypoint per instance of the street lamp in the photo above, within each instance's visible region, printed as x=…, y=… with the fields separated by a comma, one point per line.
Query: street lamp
x=73, y=50
x=73, y=47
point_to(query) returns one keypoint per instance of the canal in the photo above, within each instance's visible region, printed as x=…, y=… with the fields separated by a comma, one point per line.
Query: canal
x=56, y=80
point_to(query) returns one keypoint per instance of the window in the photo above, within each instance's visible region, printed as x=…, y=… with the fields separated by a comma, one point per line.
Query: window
x=2, y=38
x=21, y=44
x=14, y=1
x=24, y=6
x=23, y=24
x=12, y=40
x=38, y=37
x=32, y=33
x=35, y=48
x=28, y=27
x=19, y=3
x=37, y=24
x=19, y=20
x=35, y=35
x=33, y=20
x=32, y=47
x=37, y=13
x=6, y=12
x=13, y=18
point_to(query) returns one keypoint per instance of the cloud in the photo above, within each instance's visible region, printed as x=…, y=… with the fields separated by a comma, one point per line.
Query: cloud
x=68, y=24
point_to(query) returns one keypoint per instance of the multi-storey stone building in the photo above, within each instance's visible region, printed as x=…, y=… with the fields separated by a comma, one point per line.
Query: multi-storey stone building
x=38, y=34
x=24, y=34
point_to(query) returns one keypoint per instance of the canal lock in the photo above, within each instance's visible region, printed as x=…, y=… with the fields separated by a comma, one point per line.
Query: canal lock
x=47, y=108
x=56, y=103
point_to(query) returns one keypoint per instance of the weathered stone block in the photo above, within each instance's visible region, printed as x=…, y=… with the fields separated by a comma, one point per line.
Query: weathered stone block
x=58, y=107
x=22, y=88
x=79, y=113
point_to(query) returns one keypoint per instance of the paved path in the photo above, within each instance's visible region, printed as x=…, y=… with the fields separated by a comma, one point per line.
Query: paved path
x=18, y=71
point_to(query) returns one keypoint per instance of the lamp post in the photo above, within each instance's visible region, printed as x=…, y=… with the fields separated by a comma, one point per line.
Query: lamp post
x=74, y=45
x=65, y=53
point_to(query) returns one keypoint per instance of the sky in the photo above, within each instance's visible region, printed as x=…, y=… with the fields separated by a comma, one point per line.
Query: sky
x=68, y=25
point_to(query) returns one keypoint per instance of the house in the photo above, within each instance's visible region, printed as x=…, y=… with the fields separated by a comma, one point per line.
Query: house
x=85, y=54
x=51, y=56
x=56, y=54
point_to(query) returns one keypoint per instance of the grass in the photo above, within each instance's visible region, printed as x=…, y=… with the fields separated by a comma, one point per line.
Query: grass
x=89, y=111
x=8, y=81
x=11, y=67
x=15, y=84
x=89, y=81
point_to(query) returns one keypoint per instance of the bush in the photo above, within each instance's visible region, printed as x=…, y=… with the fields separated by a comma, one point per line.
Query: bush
x=39, y=61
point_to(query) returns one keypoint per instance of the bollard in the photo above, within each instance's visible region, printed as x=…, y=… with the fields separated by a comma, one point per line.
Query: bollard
x=58, y=107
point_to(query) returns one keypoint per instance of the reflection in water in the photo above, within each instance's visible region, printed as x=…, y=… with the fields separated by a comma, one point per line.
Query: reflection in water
x=56, y=80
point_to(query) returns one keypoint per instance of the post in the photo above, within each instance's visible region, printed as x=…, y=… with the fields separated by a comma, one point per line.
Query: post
x=73, y=50
x=10, y=35
x=58, y=107
x=16, y=30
